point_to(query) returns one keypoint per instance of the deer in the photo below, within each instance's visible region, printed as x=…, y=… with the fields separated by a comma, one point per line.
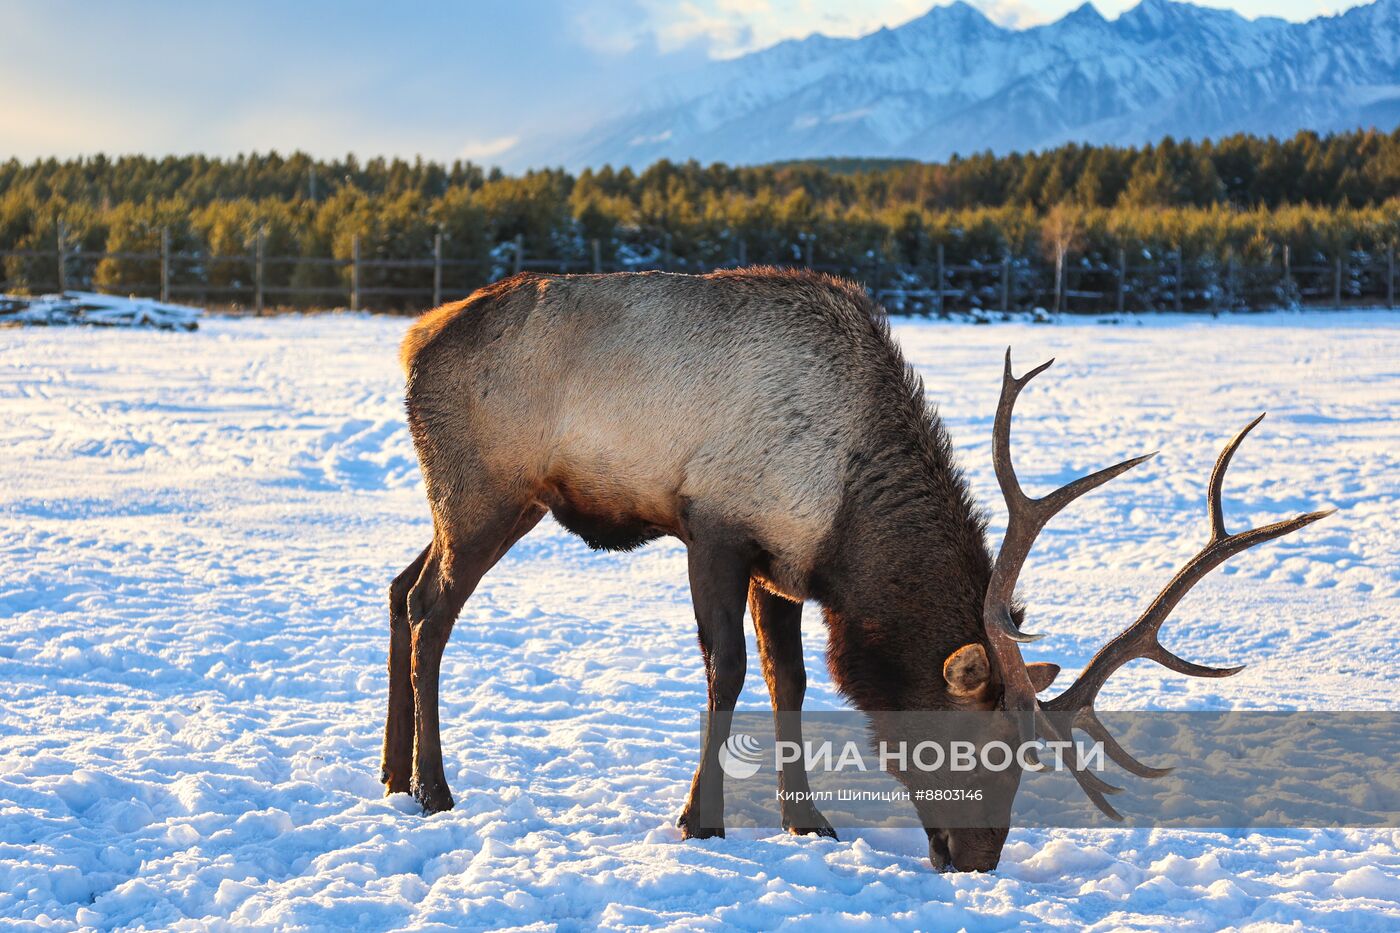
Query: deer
x=766, y=418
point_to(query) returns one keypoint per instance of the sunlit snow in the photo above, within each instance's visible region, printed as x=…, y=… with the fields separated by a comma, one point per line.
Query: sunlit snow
x=196, y=536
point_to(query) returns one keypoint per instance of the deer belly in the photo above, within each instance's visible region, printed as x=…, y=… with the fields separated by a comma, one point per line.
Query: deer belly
x=608, y=516
x=605, y=532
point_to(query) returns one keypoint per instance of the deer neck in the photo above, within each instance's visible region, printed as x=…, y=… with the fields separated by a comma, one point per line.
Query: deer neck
x=904, y=587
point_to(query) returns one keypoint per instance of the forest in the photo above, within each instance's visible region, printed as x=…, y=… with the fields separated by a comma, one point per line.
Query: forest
x=1329, y=203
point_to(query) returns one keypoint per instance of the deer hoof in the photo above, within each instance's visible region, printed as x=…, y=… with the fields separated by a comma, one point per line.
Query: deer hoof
x=434, y=798
x=810, y=828
x=808, y=822
x=698, y=832
x=394, y=784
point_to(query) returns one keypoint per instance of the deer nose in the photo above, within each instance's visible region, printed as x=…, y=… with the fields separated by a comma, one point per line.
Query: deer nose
x=965, y=858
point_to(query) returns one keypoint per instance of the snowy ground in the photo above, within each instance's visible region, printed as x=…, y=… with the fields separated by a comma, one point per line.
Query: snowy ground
x=196, y=533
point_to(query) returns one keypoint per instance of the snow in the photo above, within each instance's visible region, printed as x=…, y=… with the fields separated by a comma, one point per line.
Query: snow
x=951, y=82
x=197, y=535
x=71, y=307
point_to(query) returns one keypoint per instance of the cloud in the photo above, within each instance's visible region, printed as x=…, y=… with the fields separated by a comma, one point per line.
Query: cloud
x=733, y=27
x=650, y=140
x=479, y=149
x=729, y=28
x=1012, y=14
x=614, y=29
x=724, y=27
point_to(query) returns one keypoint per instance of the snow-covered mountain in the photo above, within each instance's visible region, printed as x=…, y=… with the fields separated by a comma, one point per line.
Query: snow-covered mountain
x=954, y=81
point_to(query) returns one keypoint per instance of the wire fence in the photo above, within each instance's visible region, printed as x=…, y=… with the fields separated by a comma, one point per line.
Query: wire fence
x=258, y=283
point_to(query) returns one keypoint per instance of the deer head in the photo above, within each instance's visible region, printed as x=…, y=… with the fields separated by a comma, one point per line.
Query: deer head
x=969, y=672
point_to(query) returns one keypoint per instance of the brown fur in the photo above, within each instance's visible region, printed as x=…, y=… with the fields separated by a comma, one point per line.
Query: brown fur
x=766, y=407
x=776, y=395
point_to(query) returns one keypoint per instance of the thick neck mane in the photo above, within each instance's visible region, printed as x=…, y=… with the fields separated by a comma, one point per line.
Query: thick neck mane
x=908, y=562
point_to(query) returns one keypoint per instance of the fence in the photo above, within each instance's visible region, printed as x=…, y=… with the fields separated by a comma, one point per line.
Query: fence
x=1174, y=282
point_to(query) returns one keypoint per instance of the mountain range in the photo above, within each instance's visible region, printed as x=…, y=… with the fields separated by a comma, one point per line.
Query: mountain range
x=952, y=81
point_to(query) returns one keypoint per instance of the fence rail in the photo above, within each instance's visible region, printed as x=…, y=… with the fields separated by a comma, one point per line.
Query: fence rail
x=1009, y=283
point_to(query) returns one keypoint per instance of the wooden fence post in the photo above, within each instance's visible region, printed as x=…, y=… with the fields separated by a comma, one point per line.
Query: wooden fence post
x=437, y=268
x=355, y=273
x=1122, y=279
x=940, y=279
x=1005, y=282
x=519, y=252
x=164, y=263
x=1287, y=269
x=597, y=257
x=743, y=253
x=807, y=248
x=1337, y=282
x=1176, y=296
x=62, y=259
x=1390, y=277
x=259, y=265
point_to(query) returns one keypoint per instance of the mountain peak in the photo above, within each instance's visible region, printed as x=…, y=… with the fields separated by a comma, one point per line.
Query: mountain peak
x=957, y=16
x=1161, y=16
x=953, y=81
x=1152, y=14
x=1085, y=12
x=1085, y=17
x=958, y=8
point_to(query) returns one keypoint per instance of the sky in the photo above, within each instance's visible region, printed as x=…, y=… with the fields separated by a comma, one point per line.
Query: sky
x=441, y=79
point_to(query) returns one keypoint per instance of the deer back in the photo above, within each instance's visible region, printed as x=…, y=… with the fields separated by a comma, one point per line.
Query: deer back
x=621, y=401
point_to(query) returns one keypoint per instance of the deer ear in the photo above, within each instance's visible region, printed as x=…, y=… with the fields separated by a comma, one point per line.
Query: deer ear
x=967, y=670
x=1042, y=674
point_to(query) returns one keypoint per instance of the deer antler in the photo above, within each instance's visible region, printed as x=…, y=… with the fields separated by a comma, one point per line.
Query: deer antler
x=1025, y=518
x=1140, y=640
x=1074, y=708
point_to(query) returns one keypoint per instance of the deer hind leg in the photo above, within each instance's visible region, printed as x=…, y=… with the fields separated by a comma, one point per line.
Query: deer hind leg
x=458, y=558
x=719, y=576
x=396, y=763
x=778, y=623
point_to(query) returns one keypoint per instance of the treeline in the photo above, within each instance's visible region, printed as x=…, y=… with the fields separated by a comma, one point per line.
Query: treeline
x=1239, y=200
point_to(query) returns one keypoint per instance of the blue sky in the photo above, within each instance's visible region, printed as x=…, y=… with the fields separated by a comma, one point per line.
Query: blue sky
x=441, y=79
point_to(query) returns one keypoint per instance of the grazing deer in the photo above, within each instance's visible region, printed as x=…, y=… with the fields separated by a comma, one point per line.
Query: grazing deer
x=767, y=419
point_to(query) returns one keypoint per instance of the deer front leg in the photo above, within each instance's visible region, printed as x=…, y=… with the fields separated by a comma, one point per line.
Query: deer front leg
x=396, y=763
x=778, y=622
x=719, y=577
